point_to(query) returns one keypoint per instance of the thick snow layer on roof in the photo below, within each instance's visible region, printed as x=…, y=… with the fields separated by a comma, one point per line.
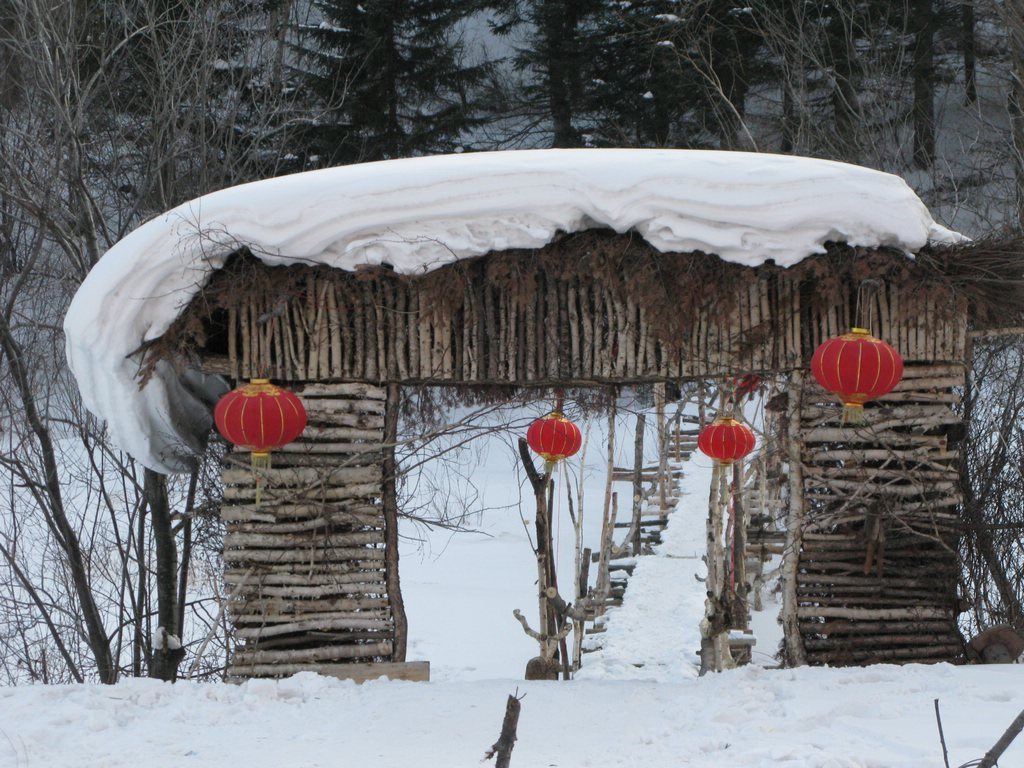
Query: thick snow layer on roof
x=421, y=213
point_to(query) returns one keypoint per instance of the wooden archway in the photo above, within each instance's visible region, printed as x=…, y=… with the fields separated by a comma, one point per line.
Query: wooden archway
x=314, y=569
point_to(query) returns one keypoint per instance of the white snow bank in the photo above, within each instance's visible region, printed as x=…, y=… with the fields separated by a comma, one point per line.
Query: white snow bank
x=748, y=718
x=421, y=213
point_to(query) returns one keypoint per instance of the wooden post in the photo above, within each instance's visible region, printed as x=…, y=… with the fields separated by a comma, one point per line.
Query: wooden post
x=604, y=557
x=714, y=646
x=583, y=578
x=501, y=750
x=611, y=458
x=638, y=484
x=389, y=499
x=581, y=561
x=740, y=609
x=663, y=448
x=708, y=662
x=763, y=510
x=545, y=633
x=556, y=620
x=794, y=526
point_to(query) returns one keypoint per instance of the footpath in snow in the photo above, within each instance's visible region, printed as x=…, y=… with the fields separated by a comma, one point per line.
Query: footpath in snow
x=654, y=634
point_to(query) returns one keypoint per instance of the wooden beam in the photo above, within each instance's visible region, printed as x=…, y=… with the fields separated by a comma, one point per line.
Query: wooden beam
x=359, y=672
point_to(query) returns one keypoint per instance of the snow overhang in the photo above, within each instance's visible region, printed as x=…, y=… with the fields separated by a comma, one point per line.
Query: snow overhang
x=422, y=213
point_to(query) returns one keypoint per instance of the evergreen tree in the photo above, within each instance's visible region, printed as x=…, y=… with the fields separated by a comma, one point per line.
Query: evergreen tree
x=559, y=42
x=642, y=89
x=392, y=78
x=674, y=74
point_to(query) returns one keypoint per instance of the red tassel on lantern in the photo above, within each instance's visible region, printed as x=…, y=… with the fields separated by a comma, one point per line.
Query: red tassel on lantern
x=726, y=440
x=858, y=368
x=260, y=417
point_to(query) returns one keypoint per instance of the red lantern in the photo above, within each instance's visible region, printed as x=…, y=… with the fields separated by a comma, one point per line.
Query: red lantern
x=554, y=437
x=260, y=417
x=856, y=367
x=726, y=440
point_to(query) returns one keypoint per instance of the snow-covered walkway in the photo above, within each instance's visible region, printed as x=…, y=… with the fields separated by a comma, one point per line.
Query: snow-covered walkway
x=654, y=634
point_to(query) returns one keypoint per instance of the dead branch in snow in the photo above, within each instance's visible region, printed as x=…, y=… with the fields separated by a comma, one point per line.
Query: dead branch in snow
x=992, y=756
x=502, y=748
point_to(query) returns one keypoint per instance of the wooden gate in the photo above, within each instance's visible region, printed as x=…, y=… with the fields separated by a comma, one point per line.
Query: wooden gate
x=871, y=547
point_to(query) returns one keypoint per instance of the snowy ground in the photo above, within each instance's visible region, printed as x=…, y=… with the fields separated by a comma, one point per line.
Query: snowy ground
x=637, y=701
x=870, y=718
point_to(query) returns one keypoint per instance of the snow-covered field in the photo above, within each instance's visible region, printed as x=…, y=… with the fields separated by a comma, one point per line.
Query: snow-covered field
x=880, y=717
x=638, y=701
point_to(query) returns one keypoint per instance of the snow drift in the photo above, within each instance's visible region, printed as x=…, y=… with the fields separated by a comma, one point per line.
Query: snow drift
x=881, y=717
x=422, y=213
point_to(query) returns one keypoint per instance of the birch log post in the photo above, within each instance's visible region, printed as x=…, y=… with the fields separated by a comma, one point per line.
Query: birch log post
x=638, y=483
x=739, y=610
x=714, y=646
x=581, y=554
x=663, y=448
x=390, y=507
x=793, y=641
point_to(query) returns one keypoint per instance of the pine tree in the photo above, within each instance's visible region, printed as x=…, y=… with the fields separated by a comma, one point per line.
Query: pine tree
x=642, y=91
x=556, y=59
x=392, y=79
x=675, y=74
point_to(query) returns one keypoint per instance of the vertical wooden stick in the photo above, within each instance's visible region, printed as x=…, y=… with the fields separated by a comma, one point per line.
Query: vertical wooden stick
x=389, y=497
x=638, y=482
x=501, y=750
x=794, y=527
x=659, y=407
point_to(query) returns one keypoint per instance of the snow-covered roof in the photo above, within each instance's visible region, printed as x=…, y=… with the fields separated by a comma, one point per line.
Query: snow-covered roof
x=421, y=213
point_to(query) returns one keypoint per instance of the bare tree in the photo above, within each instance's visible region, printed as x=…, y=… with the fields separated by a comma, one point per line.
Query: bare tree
x=992, y=466
x=112, y=116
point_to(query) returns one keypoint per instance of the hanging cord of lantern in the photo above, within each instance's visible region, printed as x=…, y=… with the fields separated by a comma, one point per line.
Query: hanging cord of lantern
x=869, y=287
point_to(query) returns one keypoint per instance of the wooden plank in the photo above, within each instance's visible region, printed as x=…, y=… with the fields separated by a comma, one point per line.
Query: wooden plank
x=338, y=476
x=312, y=494
x=360, y=672
x=354, y=390
x=320, y=554
x=325, y=653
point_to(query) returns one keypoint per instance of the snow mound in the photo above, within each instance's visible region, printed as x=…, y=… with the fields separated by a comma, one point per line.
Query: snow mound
x=746, y=718
x=419, y=214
